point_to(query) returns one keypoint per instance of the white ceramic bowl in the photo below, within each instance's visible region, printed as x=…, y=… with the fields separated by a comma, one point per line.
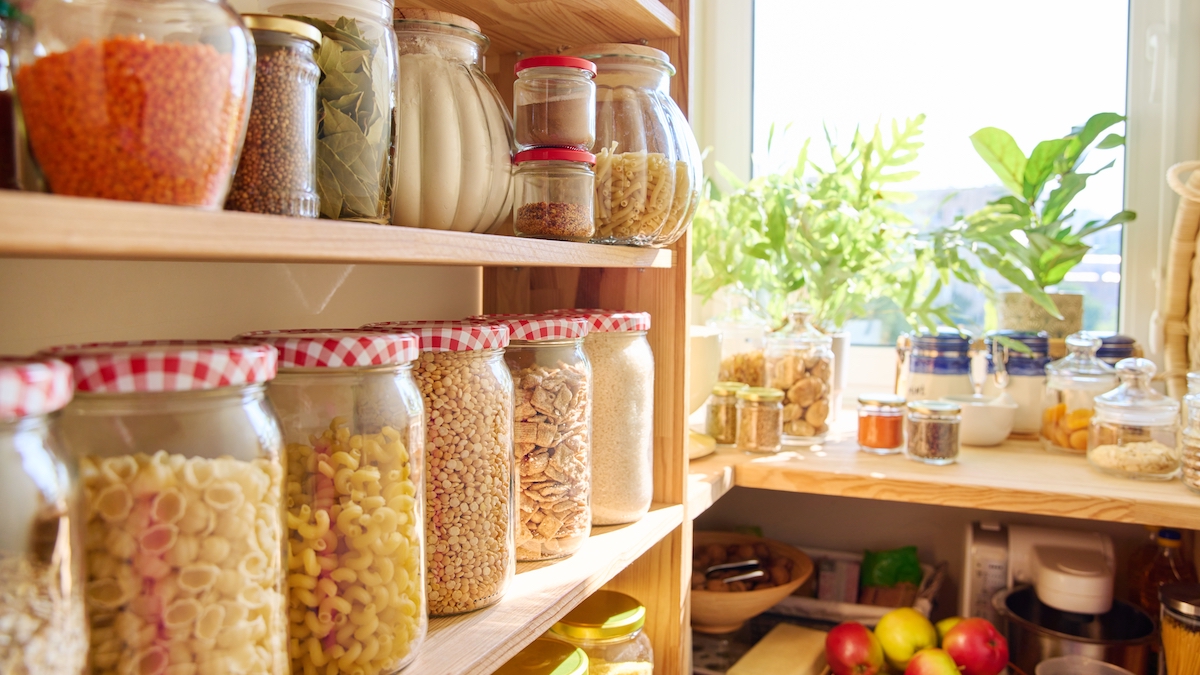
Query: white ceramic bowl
x=985, y=421
x=705, y=364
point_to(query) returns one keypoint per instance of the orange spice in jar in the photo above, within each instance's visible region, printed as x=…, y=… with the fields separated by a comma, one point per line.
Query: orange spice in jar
x=881, y=423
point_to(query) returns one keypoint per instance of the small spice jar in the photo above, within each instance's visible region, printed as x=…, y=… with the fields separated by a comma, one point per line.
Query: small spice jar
x=881, y=423
x=721, y=423
x=1135, y=431
x=547, y=656
x=554, y=102
x=760, y=419
x=933, y=431
x=277, y=169
x=1072, y=385
x=608, y=627
x=1180, y=616
x=553, y=195
x=1190, y=449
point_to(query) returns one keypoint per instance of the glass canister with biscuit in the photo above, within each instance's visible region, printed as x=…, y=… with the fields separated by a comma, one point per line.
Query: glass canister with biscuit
x=799, y=361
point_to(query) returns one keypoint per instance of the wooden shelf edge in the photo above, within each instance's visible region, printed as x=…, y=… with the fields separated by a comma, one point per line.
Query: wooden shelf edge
x=541, y=594
x=709, y=478
x=51, y=226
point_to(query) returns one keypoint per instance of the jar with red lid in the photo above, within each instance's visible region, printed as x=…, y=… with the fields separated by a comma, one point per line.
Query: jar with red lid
x=354, y=425
x=181, y=458
x=554, y=102
x=553, y=197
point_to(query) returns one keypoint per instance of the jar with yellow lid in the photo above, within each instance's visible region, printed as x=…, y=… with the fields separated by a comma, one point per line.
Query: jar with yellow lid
x=760, y=419
x=721, y=423
x=547, y=656
x=608, y=627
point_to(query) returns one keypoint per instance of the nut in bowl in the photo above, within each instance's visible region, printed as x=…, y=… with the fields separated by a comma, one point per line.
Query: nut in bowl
x=985, y=421
x=726, y=608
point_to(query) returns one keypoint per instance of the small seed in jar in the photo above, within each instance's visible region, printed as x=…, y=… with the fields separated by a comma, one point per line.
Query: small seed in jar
x=557, y=220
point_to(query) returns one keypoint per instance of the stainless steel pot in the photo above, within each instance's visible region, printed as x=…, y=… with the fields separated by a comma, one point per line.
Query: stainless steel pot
x=1122, y=636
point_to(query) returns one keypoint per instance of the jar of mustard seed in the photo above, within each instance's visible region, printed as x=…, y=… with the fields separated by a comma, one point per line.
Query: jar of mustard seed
x=722, y=412
x=933, y=432
x=760, y=419
x=553, y=194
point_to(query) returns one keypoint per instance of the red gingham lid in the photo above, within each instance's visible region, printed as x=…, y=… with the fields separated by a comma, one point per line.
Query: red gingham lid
x=609, y=320
x=555, y=61
x=336, y=347
x=536, y=327
x=31, y=386
x=165, y=365
x=449, y=336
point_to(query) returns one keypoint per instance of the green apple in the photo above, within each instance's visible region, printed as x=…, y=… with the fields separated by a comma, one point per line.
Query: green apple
x=904, y=632
x=931, y=662
x=945, y=625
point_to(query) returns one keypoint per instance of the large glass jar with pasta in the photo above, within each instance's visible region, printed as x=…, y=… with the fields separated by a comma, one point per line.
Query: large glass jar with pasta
x=470, y=513
x=181, y=459
x=43, y=630
x=354, y=426
x=647, y=161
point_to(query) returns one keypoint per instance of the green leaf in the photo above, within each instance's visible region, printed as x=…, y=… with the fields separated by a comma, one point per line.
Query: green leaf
x=1040, y=166
x=1001, y=152
x=1111, y=141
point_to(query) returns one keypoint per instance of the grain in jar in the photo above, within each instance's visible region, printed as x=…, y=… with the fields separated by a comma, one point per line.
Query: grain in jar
x=799, y=361
x=469, y=509
x=182, y=468
x=721, y=417
x=354, y=425
x=932, y=432
x=553, y=194
x=760, y=419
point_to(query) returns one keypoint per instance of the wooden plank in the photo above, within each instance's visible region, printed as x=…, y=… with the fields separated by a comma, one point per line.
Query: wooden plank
x=538, y=26
x=709, y=478
x=51, y=226
x=542, y=593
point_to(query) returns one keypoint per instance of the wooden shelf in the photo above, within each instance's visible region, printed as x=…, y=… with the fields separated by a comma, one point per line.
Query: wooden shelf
x=532, y=26
x=1017, y=477
x=541, y=594
x=51, y=226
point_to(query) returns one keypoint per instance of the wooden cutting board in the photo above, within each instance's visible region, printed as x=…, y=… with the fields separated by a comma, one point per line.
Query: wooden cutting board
x=786, y=650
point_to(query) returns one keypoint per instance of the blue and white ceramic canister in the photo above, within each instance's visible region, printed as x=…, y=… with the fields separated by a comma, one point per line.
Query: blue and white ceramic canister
x=933, y=366
x=1023, y=376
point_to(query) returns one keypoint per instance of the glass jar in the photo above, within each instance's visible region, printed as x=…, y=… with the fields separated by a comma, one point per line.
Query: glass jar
x=607, y=626
x=881, y=423
x=721, y=422
x=276, y=173
x=799, y=361
x=10, y=163
x=470, y=516
x=553, y=194
x=1135, y=431
x=1022, y=376
x=43, y=628
x=138, y=101
x=1190, y=450
x=934, y=366
x=455, y=142
x=354, y=425
x=547, y=656
x=1072, y=385
x=933, y=432
x=647, y=161
x=760, y=419
x=182, y=465
x=1180, y=628
x=554, y=102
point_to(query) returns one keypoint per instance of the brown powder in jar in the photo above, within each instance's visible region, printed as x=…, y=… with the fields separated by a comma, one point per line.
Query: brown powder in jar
x=562, y=122
x=555, y=220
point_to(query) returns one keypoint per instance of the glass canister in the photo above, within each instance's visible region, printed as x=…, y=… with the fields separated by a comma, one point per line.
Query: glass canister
x=1190, y=449
x=647, y=161
x=182, y=465
x=554, y=102
x=455, y=143
x=43, y=627
x=608, y=627
x=276, y=173
x=354, y=425
x=721, y=421
x=760, y=419
x=932, y=366
x=138, y=101
x=1022, y=376
x=881, y=423
x=470, y=515
x=1115, y=347
x=933, y=432
x=553, y=194
x=547, y=656
x=1072, y=385
x=1180, y=628
x=1135, y=431
x=799, y=361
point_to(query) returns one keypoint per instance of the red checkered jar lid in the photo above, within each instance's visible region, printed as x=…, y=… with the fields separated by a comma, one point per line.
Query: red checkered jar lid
x=33, y=386
x=449, y=336
x=155, y=366
x=337, y=348
x=538, y=327
x=609, y=320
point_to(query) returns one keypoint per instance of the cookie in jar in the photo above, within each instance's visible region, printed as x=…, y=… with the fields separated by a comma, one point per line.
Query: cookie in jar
x=799, y=361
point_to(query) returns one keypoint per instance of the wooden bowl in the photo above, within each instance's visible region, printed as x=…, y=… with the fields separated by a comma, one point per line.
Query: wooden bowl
x=714, y=612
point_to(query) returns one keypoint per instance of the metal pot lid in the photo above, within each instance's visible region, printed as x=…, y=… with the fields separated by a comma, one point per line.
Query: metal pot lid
x=1181, y=598
x=1124, y=624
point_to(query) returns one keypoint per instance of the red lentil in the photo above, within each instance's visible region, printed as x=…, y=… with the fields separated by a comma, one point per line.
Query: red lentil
x=135, y=120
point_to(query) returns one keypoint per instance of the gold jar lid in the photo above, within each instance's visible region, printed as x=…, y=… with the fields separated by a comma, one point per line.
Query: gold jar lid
x=547, y=656
x=604, y=615
x=760, y=394
x=883, y=400
x=936, y=409
x=281, y=24
x=728, y=388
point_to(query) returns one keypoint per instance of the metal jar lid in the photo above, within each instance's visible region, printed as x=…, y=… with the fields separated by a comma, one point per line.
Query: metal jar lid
x=760, y=394
x=883, y=400
x=1181, y=598
x=728, y=388
x=603, y=616
x=281, y=24
x=936, y=409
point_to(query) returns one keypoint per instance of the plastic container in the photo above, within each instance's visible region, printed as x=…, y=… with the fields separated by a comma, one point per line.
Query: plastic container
x=138, y=101
x=1190, y=449
x=553, y=194
x=881, y=423
x=932, y=431
x=1180, y=628
x=648, y=169
x=455, y=142
x=933, y=366
x=470, y=515
x=43, y=627
x=760, y=419
x=799, y=362
x=547, y=656
x=608, y=627
x=1072, y=385
x=277, y=170
x=721, y=420
x=354, y=425
x=182, y=464
x=554, y=102
x=1021, y=376
x=1135, y=431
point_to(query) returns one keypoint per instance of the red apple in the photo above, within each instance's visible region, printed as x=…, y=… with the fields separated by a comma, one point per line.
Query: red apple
x=931, y=661
x=977, y=647
x=852, y=649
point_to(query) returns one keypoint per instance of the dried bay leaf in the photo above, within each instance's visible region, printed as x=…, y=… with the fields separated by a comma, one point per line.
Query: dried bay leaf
x=338, y=122
x=355, y=61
